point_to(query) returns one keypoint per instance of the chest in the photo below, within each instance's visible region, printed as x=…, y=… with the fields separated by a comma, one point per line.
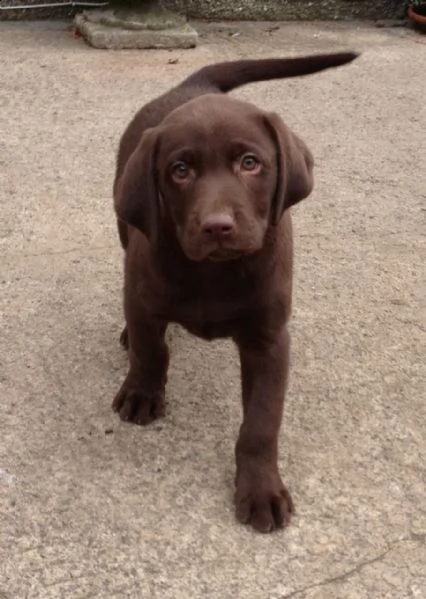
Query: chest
x=215, y=309
x=212, y=319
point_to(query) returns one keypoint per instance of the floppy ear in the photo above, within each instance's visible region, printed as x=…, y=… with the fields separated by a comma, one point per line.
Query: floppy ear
x=136, y=199
x=294, y=167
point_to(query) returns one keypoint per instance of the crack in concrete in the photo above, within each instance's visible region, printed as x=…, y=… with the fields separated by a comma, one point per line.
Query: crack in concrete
x=65, y=580
x=414, y=537
x=61, y=252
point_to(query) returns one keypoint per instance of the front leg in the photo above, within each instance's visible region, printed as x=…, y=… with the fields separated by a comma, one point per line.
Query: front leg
x=261, y=498
x=141, y=397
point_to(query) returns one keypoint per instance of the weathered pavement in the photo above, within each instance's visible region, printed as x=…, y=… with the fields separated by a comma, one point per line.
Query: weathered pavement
x=92, y=507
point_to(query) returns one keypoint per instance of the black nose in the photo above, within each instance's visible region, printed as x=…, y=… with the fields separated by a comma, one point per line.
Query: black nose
x=218, y=225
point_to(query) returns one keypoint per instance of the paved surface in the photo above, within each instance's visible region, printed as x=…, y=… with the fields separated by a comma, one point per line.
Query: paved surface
x=91, y=507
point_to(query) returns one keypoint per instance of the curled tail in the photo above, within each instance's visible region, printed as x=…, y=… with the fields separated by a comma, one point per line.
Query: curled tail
x=226, y=76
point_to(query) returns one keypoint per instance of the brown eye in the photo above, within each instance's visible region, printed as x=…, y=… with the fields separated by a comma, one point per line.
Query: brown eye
x=249, y=162
x=180, y=170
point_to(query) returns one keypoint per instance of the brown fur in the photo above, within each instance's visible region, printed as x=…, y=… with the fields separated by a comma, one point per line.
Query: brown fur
x=202, y=192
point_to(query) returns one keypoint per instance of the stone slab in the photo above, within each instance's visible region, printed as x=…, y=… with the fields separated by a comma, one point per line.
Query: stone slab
x=116, y=38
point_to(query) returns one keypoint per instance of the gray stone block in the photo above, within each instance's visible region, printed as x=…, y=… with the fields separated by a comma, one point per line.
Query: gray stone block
x=104, y=36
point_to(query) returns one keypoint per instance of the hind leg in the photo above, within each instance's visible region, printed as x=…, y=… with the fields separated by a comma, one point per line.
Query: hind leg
x=124, y=338
x=123, y=233
x=124, y=240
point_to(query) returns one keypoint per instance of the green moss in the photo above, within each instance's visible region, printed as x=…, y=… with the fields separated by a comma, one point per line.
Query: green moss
x=143, y=17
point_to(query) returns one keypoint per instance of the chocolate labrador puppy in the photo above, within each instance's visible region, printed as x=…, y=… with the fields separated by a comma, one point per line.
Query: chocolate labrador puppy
x=202, y=191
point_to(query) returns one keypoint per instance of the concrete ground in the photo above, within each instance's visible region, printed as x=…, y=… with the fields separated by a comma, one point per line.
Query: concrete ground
x=92, y=507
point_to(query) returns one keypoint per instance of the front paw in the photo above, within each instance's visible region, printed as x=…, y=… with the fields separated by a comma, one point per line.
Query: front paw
x=261, y=499
x=133, y=404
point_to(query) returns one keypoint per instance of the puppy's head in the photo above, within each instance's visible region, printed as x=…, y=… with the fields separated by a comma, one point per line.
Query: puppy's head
x=222, y=170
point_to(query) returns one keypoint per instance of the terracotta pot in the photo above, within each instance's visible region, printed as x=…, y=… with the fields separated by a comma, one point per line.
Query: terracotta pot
x=418, y=19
